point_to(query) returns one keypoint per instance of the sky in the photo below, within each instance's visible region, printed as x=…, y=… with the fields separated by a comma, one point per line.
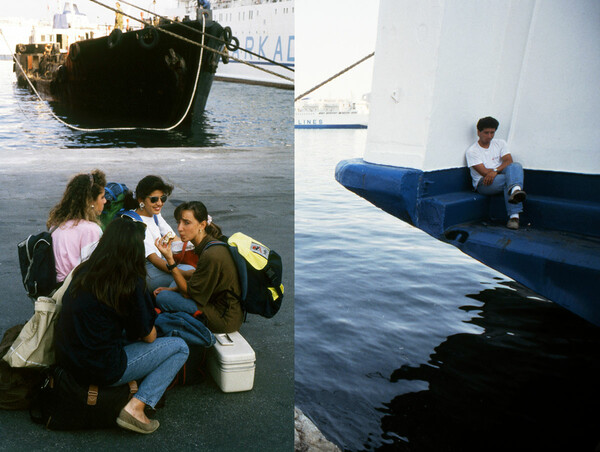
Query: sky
x=45, y=9
x=330, y=36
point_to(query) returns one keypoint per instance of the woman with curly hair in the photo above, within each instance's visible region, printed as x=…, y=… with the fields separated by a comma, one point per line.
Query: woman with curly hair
x=74, y=221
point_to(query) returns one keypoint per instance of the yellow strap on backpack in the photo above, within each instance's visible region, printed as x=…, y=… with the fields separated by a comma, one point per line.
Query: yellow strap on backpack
x=255, y=253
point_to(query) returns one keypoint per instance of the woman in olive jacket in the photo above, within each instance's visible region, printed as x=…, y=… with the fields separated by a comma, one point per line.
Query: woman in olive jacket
x=212, y=293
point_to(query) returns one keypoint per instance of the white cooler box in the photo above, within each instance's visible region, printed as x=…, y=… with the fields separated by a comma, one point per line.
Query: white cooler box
x=231, y=362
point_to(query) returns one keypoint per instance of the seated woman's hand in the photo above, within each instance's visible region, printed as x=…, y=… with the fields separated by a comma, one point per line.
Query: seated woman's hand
x=165, y=249
x=160, y=289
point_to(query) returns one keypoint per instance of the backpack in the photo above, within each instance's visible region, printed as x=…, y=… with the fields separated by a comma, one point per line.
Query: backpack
x=64, y=404
x=134, y=215
x=259, y=271
x=36, y=260
x=17, y=386
x=115, y=199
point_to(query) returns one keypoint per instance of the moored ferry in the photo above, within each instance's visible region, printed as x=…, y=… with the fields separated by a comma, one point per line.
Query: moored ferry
x=441, y=66
x=331, y=114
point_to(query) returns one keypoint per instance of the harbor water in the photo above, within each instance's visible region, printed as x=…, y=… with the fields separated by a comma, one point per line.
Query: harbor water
x=236, y=115
x=404, y=343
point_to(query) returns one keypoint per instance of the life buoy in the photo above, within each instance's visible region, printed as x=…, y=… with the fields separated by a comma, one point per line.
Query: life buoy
x=228, y=37
x=233, y=45
x=114, y=38
x=74, y=51
x=21, y=47
x=227, y=34
x=148, y=38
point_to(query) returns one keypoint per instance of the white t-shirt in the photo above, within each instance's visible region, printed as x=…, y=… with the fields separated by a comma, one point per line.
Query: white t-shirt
x=154, y=231
x=490, y=157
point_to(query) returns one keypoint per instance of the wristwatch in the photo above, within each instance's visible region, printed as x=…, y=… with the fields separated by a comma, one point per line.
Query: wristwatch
x=170, y=267
x=495, y=170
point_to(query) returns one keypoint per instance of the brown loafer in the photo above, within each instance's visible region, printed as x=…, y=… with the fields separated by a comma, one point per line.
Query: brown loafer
x=513, y=223
x=517, y=196
x=128, y=422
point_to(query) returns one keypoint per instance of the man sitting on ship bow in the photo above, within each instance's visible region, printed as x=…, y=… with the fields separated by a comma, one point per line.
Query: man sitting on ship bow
x=493, y=170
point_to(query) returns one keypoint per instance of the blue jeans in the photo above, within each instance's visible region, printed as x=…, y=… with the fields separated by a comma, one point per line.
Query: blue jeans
x=171, y=301
x=503, y=183
x=158, y=278
x=157, y=363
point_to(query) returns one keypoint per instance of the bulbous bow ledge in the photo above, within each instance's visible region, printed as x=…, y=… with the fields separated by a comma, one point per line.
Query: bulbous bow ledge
x=556, y=252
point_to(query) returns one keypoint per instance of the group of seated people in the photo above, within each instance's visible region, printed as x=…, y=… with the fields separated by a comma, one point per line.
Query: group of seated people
x=106, y=332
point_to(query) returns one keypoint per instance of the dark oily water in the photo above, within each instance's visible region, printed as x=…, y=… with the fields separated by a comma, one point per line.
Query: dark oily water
x=236, y=116
x=404, y=343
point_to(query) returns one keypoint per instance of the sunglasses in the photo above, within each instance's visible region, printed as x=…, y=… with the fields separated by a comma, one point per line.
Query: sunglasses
x=154, y=199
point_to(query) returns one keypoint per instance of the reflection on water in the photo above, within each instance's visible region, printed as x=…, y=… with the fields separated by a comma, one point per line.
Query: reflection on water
x=200, y=134
x=528, y=381
x=404, y=343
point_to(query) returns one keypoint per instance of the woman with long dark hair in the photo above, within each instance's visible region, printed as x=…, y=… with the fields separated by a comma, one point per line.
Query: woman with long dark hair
x=150, y=196
x=106, y=297
x=74, y=221
x=214, y=287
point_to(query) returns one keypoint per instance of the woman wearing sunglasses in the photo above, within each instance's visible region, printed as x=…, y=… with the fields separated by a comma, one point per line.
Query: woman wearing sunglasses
x=214, y=287
x=74, y=221
x=106, y=297
x=150, y=196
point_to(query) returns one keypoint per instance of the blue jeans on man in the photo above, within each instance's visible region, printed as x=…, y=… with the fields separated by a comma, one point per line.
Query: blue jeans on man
x=511, y=176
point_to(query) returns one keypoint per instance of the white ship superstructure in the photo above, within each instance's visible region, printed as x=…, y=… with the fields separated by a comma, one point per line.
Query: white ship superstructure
x=265, y=28
x=68, y=25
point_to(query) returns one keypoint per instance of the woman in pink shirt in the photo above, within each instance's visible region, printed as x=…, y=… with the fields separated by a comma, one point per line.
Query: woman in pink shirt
x=74, y=221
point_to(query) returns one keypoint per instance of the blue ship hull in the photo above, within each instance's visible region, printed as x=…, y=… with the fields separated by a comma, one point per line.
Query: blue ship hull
x=556, y=252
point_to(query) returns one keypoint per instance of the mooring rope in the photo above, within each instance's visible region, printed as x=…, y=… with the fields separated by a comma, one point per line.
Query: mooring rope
x=81, y=129
x=333, y=77
x=208, y=35
x=197, y=44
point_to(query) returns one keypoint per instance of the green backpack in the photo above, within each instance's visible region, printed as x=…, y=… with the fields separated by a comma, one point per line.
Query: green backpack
x=115, y=198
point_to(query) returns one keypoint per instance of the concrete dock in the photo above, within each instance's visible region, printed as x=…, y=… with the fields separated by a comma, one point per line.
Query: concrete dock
x=248, y=190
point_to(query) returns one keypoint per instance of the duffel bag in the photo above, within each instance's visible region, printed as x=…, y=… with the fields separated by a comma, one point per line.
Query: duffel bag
x=64, y=404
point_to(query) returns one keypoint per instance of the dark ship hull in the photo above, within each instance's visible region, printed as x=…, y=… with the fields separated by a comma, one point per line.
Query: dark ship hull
x=143, y=78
